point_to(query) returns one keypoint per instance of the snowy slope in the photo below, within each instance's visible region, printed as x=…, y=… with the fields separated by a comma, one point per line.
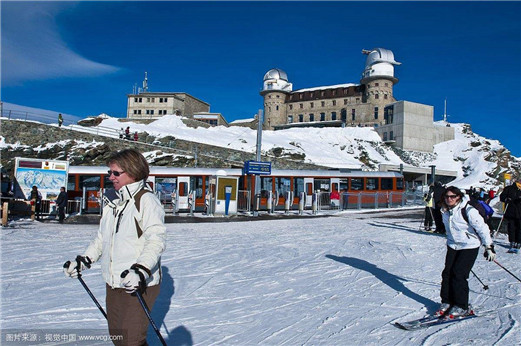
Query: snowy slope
x=469, y=154
x=313, y=281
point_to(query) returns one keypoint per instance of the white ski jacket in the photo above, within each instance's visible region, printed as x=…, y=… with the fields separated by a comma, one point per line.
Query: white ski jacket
x=128, y=236
x=462, y=235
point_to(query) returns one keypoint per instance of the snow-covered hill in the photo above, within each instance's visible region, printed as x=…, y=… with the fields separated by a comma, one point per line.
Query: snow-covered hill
x=478, y=161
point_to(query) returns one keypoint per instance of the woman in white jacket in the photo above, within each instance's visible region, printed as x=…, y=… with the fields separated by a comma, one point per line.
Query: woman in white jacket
x=463, y=242
x=131, y=237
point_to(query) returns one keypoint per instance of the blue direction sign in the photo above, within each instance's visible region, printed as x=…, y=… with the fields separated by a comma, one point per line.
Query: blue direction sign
x=257, y=167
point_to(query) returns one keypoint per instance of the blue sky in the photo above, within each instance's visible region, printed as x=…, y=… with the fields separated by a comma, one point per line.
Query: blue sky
x=83, y=58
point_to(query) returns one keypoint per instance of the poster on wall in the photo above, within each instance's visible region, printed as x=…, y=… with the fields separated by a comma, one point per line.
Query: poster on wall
x=47, y=175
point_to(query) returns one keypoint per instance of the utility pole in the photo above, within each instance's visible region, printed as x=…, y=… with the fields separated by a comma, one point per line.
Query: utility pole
x=258, y=159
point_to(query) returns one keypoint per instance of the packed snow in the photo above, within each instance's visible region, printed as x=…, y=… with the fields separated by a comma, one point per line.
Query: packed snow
x=338, y=280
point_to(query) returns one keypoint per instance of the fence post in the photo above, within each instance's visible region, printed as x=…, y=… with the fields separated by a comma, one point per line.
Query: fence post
x=5, y=212
x=376, y=200
x=359, y=200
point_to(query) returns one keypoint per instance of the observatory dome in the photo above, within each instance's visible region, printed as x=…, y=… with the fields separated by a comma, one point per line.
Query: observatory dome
x=276, y=73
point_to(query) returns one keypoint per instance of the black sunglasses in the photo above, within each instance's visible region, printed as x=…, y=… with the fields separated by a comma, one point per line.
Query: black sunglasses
x=115, y=173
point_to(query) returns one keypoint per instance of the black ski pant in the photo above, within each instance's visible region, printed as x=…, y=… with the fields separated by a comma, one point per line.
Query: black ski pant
x=454, y=284
x=514, y=230
x=428, y=217
x=440, y=227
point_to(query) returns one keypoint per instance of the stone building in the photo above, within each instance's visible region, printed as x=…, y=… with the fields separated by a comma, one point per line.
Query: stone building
x=368, y=103
x=153, y=105
x=334, y=105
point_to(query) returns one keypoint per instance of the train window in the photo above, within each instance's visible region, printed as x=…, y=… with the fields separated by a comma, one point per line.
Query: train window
x=309, y=189
x=282, y=185
x=322, y=184
x=71, y=183
x=90, y=182
x=197, y=185
x=387, y=183
x=266, y=186
x=165, y=187
x=357, y=184
x=183, y=189
x=107, y=184
x=343, y=184
x=371, y=184
x=298, y=186
x=399, y=184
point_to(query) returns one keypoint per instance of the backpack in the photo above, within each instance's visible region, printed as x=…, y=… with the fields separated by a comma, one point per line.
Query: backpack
x=483, y=208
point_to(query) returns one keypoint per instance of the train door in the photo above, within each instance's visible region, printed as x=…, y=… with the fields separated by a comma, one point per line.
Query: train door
x=309, y=189
x=183, y=189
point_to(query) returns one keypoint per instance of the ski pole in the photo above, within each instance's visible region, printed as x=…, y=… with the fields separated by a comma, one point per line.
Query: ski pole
x=78, y=260
x=147, y=311
x=508, y=271
x=500, y=221
x=485, y=287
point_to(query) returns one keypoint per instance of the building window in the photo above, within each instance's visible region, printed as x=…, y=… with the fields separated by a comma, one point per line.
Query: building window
x=301, y=118
x=277, y=108
x=343, y=115
x=311, y=105
x=164, y=111
x=135, y=99
x=322, y=116
x=353, y=114
x=135, y=111
x=386, y=84
x=385, y=96
x=357, y=99
x=278, y=96
x=376, y=96
x=311, y=95
x=322, y=93
x=160, y=112
x=385, y=136
x=301, y=105
x=323, y=103
x=290, y=107
x=300, y=96
x=139, y=111
x=388, y=115
x=312, y=117
x=376, y=112
x=391, y=135
x=333, y=115
x=376, y=84
x=334, y=92
x=345, y=101
x=148, y=99
x=290, y=119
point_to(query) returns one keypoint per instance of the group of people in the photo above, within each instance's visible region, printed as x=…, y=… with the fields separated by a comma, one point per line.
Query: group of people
x=61, y=203
x=125, y=134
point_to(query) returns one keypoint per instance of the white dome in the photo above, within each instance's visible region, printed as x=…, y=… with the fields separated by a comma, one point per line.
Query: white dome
x=380, y=55
x=276, y=73
x=379, y=63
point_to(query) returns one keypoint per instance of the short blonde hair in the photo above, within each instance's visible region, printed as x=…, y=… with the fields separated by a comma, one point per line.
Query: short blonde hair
x=132, y=162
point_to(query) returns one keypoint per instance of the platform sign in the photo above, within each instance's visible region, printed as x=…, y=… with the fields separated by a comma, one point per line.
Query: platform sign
x=257, y=167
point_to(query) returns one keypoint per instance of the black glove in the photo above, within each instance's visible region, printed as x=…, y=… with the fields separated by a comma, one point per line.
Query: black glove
x=134, y=279
x=73, y=268
x=489, y=253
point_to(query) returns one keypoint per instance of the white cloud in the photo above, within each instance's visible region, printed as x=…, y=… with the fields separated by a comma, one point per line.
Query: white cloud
x=32, y=48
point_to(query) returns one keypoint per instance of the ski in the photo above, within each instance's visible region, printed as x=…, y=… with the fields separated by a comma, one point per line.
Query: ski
x=430, y=321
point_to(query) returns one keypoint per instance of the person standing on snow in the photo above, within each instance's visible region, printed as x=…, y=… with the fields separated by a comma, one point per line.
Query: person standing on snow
x=130, y=240
x=60, y=120
x=428, y=199
x=463, y=242
x=61, y=202
x=511, y=195
x=439, y=190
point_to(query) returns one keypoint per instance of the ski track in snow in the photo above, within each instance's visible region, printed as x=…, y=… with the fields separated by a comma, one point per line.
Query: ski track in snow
x=315, y=281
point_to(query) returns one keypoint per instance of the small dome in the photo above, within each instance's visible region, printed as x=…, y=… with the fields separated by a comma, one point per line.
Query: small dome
x=276, y=73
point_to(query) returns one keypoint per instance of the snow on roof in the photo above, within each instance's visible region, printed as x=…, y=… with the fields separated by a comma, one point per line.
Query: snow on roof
x=327, y=87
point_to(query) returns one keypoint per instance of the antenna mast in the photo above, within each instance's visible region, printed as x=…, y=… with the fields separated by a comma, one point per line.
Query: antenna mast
x=145, y=83
x=445, y=111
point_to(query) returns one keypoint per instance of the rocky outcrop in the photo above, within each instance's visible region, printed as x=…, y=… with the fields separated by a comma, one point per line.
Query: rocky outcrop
x=37, y=140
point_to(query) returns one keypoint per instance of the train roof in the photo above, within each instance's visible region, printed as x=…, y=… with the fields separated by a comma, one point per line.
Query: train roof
x=164, y=170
